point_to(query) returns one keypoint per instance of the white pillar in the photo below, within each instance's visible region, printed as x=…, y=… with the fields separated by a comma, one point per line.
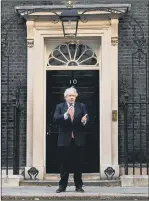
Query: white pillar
x=30, y=65
x=105, y=105
x=38, y=107
x=109, y=101
x=114, y=65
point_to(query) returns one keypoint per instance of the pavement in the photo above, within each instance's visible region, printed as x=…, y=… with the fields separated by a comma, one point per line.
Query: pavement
x=91, y=193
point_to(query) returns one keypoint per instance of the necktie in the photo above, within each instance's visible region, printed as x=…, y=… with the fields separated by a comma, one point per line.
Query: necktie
x=71, y=112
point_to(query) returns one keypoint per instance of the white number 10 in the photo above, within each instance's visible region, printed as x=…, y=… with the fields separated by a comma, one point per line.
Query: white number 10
x=73, y=81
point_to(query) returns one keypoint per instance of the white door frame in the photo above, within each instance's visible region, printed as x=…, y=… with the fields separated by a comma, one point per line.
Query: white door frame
x=36, y=91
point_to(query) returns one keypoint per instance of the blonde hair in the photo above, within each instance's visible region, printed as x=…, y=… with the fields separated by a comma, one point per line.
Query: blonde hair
x=69, y=91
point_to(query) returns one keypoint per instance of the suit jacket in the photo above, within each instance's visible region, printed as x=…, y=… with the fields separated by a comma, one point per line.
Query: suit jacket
x=66, y=126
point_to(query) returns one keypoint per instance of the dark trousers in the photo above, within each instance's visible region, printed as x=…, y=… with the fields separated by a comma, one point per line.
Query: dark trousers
x=71, y=160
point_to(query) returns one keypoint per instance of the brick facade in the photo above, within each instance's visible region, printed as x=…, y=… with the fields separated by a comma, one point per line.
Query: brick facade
x=15, y=28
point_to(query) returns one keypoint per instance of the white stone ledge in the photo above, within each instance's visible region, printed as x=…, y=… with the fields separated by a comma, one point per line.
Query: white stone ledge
x=134, y=180
x=11, y=180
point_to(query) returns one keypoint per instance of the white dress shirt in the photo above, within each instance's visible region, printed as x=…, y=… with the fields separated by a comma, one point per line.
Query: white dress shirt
x=66, y=115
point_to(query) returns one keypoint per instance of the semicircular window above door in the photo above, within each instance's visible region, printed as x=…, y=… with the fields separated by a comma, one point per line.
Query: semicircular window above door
x=72, y=55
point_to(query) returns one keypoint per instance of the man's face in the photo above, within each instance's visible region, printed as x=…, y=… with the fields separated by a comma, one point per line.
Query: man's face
x=70, y=98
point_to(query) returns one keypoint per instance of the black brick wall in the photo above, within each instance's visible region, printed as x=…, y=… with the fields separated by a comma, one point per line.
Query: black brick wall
x=17, y=51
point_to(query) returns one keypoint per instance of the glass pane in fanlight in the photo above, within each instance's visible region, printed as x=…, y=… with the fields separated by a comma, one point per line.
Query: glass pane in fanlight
x=57, y=54
x=80, y=50
x=72, y=49
x=91, y=61
x=64, y=50
x=55, y=62
x=88, y=53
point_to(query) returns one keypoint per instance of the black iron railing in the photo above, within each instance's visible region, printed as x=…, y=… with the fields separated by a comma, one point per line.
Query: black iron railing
x=16, y=139
x=136, y=137
x=11, y=161
x=11, y=111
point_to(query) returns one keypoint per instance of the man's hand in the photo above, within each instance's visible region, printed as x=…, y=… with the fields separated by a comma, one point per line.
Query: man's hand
x=68, y=111
x=67, y=114
x=84, y=118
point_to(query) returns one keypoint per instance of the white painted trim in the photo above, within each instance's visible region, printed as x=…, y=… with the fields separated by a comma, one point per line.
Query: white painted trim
x=72, y=68
x=39, y=95
x=50, y=68
x=30, y=70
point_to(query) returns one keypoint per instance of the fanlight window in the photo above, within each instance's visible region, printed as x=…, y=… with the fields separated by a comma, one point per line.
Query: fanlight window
x=72, y=55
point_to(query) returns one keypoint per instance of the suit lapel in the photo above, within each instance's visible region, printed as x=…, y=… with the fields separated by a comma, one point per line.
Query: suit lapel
x=76, y=110
x=65, y=107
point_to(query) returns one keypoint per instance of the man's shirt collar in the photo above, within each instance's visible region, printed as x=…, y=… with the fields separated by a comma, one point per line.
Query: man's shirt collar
x=70, y=104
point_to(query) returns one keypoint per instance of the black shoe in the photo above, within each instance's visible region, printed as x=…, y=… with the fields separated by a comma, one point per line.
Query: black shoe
x=79, y=189
x=60, y=189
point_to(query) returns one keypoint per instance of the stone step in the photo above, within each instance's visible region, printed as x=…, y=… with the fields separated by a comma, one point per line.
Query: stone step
x=85, y=177
x=108, y=183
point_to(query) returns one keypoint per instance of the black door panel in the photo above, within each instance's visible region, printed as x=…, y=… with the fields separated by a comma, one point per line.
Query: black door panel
x=87, y=85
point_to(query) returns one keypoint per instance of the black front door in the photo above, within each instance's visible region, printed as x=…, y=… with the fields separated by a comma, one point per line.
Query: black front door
x=87, y=84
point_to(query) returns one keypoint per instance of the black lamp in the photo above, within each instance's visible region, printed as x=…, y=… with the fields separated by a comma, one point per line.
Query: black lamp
x=69, y=19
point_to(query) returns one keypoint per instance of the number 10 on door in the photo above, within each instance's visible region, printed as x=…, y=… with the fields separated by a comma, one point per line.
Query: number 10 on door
x=74, y=81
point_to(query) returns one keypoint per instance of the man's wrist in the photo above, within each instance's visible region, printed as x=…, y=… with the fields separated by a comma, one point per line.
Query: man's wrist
x=66, y=115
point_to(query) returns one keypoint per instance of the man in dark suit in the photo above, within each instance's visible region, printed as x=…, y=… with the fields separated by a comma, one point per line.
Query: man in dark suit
x=72, y=118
